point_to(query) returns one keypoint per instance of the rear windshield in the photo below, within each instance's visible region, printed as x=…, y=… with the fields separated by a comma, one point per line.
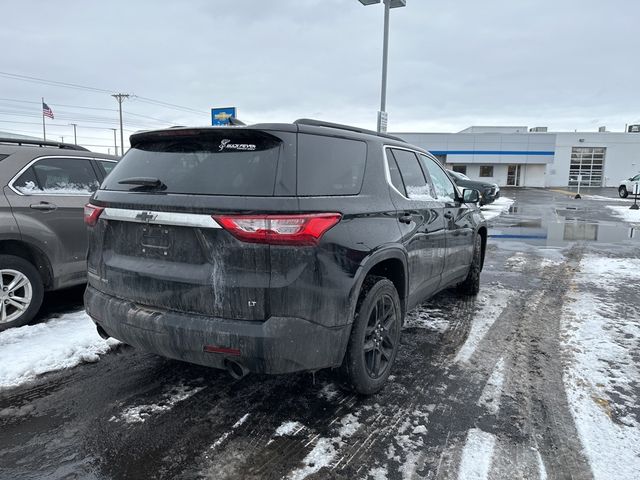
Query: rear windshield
x=243, y=162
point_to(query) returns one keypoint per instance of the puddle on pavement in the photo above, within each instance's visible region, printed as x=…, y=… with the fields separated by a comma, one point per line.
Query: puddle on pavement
x=562, y=228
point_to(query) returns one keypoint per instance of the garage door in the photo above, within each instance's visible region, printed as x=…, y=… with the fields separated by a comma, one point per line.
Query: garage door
x=588, y=162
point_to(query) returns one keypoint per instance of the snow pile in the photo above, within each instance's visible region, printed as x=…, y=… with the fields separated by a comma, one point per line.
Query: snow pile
x=141, y=413
x=497, y=208
x=625, y=214
x=601, y=335
x=62, y=342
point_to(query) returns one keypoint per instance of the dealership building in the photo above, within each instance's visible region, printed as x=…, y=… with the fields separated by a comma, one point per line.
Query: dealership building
x=519, y=156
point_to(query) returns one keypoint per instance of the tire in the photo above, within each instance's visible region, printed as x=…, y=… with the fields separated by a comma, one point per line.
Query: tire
x=375, y=337
x=471, y=285
x=29, y=290
x=622, y=191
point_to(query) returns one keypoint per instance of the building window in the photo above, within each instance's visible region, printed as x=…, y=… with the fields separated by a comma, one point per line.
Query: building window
x=460, y=169
x=486, y=170
x=588, y=163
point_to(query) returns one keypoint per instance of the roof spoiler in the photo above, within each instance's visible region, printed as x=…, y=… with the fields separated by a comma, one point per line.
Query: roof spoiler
x=42, y=143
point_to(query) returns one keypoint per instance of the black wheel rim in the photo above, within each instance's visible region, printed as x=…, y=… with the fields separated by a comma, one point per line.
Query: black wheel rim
x=380, y=337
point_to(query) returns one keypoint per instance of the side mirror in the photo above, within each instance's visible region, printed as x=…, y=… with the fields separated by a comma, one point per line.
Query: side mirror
x=470, y=195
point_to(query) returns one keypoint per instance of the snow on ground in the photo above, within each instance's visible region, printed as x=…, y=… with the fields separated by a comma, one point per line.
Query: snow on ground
x=497, y=208
x=491, y=306
x=476, y=455
x=490, y=397
x=140, y=413
x=625, y=213
x=59, y=343
x=325, y=450
x=601, y=334
x=600, y=198
x=288, y=429
x=428, y=318
x=236, y=425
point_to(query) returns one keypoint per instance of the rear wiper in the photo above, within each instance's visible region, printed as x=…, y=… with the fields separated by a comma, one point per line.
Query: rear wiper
x=144, y=182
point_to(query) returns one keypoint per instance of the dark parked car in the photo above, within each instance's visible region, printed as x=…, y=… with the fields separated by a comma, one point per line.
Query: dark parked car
x=43, y=240
x=488, y=191
x=276, y=248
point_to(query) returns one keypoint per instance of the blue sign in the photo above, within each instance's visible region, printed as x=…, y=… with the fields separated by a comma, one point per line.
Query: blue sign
x=221, y=116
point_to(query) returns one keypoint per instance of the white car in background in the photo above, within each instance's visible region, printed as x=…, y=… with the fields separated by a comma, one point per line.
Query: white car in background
x=626, y=186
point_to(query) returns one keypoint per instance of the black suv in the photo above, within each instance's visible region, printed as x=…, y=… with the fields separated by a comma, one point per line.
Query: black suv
x=276, y=248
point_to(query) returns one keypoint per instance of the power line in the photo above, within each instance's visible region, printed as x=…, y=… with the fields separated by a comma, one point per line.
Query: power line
x=63, y=125
x=55, y=83
x=87, y=108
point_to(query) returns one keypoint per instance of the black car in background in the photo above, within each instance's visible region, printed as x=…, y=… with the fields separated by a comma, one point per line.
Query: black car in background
x=488, y=191
x=276, y=248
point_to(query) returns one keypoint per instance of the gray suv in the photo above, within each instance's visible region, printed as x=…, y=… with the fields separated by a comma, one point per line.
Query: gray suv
x=43, y=240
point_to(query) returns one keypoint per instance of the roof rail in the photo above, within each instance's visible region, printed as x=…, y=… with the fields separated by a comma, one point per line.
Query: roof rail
x=42, y=143
x=320, y=123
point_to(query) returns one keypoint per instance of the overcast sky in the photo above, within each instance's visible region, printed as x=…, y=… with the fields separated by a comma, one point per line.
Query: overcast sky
x=566, y=64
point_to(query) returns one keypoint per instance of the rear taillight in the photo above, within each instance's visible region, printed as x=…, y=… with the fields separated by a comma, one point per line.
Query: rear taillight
x=279, y=229
x=92, y=214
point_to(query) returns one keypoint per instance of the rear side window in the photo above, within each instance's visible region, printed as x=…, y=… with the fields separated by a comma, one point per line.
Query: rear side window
x=58, y=176
x=412, y=175
x=107, y=166
x=216, y=162
x=441, y=182
x=330, y=166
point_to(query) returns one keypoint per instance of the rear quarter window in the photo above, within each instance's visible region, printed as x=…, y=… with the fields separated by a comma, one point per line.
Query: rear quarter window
x=329, y=166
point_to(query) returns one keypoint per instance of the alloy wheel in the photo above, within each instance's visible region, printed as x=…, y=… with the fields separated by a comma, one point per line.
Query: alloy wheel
x=380, y=337
x=15, y=294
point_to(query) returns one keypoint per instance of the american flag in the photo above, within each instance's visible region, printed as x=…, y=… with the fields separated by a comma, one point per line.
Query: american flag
x=46, y=111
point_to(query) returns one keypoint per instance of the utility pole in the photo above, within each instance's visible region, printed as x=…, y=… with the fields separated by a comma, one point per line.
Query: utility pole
x=115, y=142
x=75, y=138
x=120, y=98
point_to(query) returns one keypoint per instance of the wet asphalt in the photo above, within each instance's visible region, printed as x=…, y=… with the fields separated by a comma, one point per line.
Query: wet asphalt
x=134, y=415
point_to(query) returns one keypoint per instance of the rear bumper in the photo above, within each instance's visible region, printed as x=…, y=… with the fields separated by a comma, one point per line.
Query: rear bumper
x=278, y=345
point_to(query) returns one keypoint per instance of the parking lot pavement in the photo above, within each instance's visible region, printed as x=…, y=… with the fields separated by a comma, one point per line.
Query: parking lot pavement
x=536, y=377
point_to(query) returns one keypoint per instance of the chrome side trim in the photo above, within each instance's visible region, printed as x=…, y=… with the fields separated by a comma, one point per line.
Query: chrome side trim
x=160, y=218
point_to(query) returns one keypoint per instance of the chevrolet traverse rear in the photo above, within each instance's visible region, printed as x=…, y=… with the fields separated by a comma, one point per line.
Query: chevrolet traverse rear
x=276, y=248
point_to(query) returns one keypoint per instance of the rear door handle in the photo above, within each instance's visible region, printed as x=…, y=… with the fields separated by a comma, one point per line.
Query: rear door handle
x=44, y=206
x=406, y=218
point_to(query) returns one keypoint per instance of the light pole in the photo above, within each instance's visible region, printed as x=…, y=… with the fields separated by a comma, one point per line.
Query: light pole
x=75, y=138
x=115, y=142
x=388, y=4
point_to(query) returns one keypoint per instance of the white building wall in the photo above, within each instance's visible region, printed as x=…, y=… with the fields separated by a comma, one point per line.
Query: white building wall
x=622, y=157
x=533, y=175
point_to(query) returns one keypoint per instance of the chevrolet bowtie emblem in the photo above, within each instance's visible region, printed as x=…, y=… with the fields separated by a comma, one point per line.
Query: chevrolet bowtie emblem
x=146, y=217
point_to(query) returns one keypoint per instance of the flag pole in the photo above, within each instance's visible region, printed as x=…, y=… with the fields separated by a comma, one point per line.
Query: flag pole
x=44, y=129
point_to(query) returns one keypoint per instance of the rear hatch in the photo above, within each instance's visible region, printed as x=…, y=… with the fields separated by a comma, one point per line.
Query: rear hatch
x=155, y=239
